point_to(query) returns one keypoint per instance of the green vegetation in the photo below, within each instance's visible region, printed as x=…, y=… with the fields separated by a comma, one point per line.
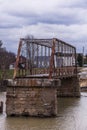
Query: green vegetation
x=6, y=74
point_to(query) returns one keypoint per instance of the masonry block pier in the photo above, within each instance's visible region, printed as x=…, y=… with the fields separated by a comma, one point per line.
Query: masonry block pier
x=69, y=87
x=32, y=97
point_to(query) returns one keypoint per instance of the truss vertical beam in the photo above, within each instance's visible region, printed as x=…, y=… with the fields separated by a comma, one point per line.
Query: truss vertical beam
x=52, y=65
x=17, y=59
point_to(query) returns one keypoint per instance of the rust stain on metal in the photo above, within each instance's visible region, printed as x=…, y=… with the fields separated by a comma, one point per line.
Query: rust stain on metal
x=17, y=59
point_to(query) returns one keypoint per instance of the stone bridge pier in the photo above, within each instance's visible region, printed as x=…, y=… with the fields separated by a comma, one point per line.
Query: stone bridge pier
x=32, y=97
x=69, y=87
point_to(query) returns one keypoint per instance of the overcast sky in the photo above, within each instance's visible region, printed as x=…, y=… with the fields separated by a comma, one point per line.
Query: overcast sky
x=63, y=19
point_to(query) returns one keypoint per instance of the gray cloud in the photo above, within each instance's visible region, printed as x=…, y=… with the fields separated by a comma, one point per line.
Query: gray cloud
x=8, y=26
x=65, y=16
x=47, y=19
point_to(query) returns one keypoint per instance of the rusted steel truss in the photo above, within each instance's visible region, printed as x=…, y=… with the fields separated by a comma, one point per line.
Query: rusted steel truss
x=51, y=58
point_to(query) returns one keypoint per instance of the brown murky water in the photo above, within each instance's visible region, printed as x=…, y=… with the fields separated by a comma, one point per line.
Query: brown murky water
x=72, y=115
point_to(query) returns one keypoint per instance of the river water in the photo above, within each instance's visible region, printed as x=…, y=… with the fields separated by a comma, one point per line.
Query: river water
x=72, y=115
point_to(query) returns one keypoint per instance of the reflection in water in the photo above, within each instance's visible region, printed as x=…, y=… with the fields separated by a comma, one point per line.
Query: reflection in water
x=72, y=115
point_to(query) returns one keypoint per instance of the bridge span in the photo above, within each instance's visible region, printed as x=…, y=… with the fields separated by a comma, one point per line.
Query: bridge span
x=48, y=57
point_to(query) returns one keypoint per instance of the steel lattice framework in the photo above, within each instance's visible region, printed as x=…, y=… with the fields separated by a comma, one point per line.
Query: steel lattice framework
x=51, y=58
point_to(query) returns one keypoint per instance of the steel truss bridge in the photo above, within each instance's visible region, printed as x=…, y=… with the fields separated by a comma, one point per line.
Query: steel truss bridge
x=50, y=58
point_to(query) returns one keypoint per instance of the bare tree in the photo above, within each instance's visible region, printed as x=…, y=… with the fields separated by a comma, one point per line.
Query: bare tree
x=6, y=58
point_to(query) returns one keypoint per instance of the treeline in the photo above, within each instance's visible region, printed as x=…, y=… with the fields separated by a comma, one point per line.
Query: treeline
x=6, y=58
x=81, y=60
